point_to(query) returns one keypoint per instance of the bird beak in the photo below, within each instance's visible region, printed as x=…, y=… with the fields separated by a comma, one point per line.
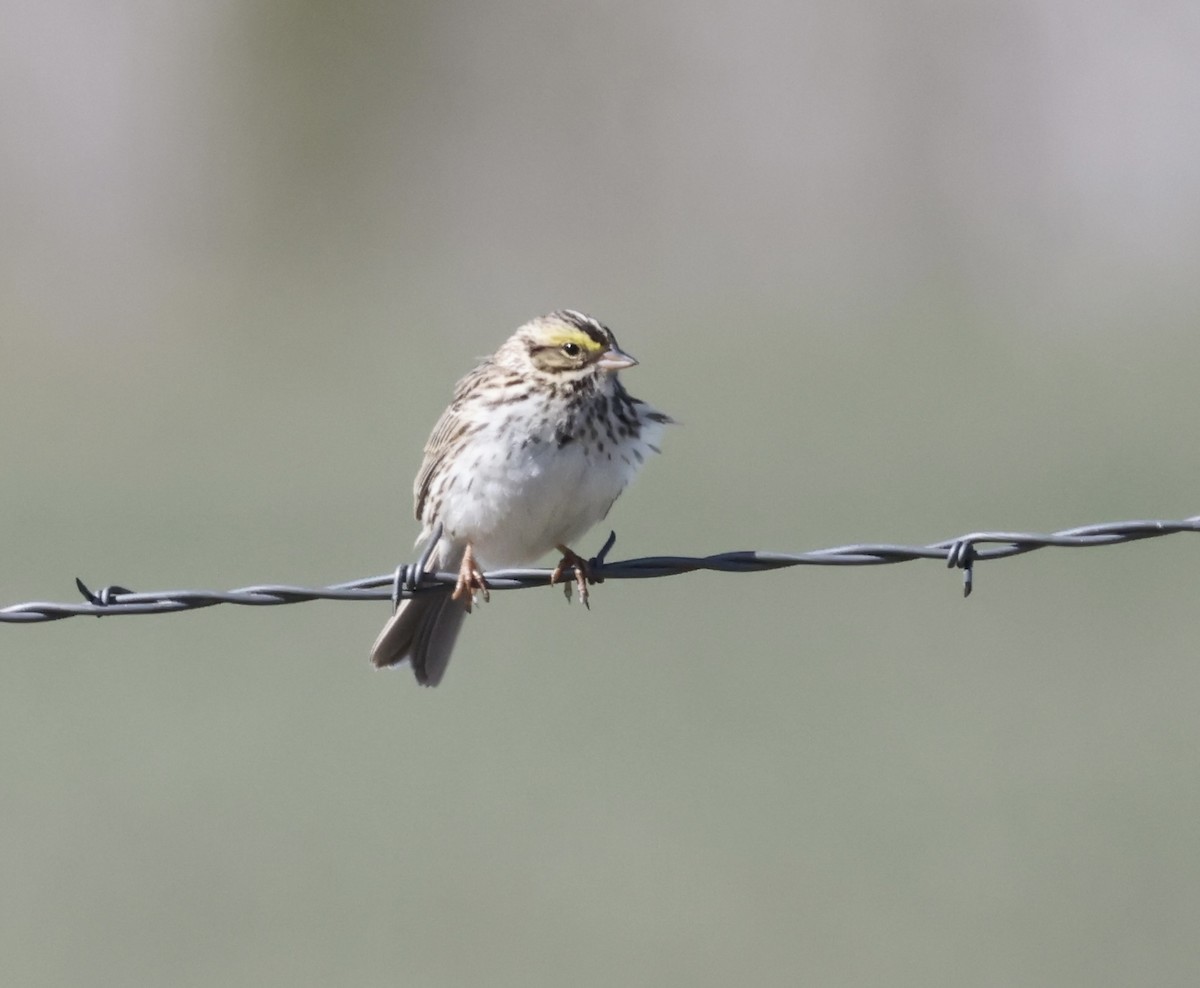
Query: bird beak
x=615, y=359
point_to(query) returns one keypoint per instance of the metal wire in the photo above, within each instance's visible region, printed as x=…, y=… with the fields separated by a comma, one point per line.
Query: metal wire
x=964, y=553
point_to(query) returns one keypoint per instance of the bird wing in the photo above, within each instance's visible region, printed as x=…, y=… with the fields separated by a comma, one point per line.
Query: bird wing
x=450, y=428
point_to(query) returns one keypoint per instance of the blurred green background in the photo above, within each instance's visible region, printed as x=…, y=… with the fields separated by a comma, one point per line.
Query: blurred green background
x=901, y=271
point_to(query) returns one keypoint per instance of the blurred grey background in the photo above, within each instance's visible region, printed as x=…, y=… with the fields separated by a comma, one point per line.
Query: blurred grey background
x=901, y=271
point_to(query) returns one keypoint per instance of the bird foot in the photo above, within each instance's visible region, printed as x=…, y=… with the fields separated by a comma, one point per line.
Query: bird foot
x=470, y=581
x=583, y=574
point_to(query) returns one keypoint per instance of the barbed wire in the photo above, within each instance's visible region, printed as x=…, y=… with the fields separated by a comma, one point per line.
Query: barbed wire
x=963, y=553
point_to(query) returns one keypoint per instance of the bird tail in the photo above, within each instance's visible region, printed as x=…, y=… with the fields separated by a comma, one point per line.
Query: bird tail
x=423, y=631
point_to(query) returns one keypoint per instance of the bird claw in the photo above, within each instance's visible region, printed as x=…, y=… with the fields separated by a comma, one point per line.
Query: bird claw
x=583, y=575
x=470, y=581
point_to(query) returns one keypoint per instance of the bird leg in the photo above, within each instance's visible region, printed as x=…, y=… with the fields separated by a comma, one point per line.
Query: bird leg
x=470, y=580
x=583, y=574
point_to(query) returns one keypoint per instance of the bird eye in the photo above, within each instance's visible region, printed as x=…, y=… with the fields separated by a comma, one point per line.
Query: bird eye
x=571, y=349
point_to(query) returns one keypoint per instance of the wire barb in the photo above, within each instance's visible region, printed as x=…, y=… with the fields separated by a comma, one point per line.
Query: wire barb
x=410, y=576
x=964, y=553
x=596, y=563
x=962, y=556
x=105, y=598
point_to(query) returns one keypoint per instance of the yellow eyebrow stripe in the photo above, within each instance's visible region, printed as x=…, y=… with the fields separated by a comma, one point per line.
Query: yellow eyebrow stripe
x=574, y=336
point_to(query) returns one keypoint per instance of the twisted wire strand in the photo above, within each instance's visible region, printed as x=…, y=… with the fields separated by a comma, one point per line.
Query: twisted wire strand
x=963, y=553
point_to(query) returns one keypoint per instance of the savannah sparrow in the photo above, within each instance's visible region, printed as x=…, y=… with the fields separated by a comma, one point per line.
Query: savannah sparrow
x=535, y=447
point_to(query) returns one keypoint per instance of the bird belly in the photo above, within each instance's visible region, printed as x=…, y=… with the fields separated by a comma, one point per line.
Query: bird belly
x=514, y=505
